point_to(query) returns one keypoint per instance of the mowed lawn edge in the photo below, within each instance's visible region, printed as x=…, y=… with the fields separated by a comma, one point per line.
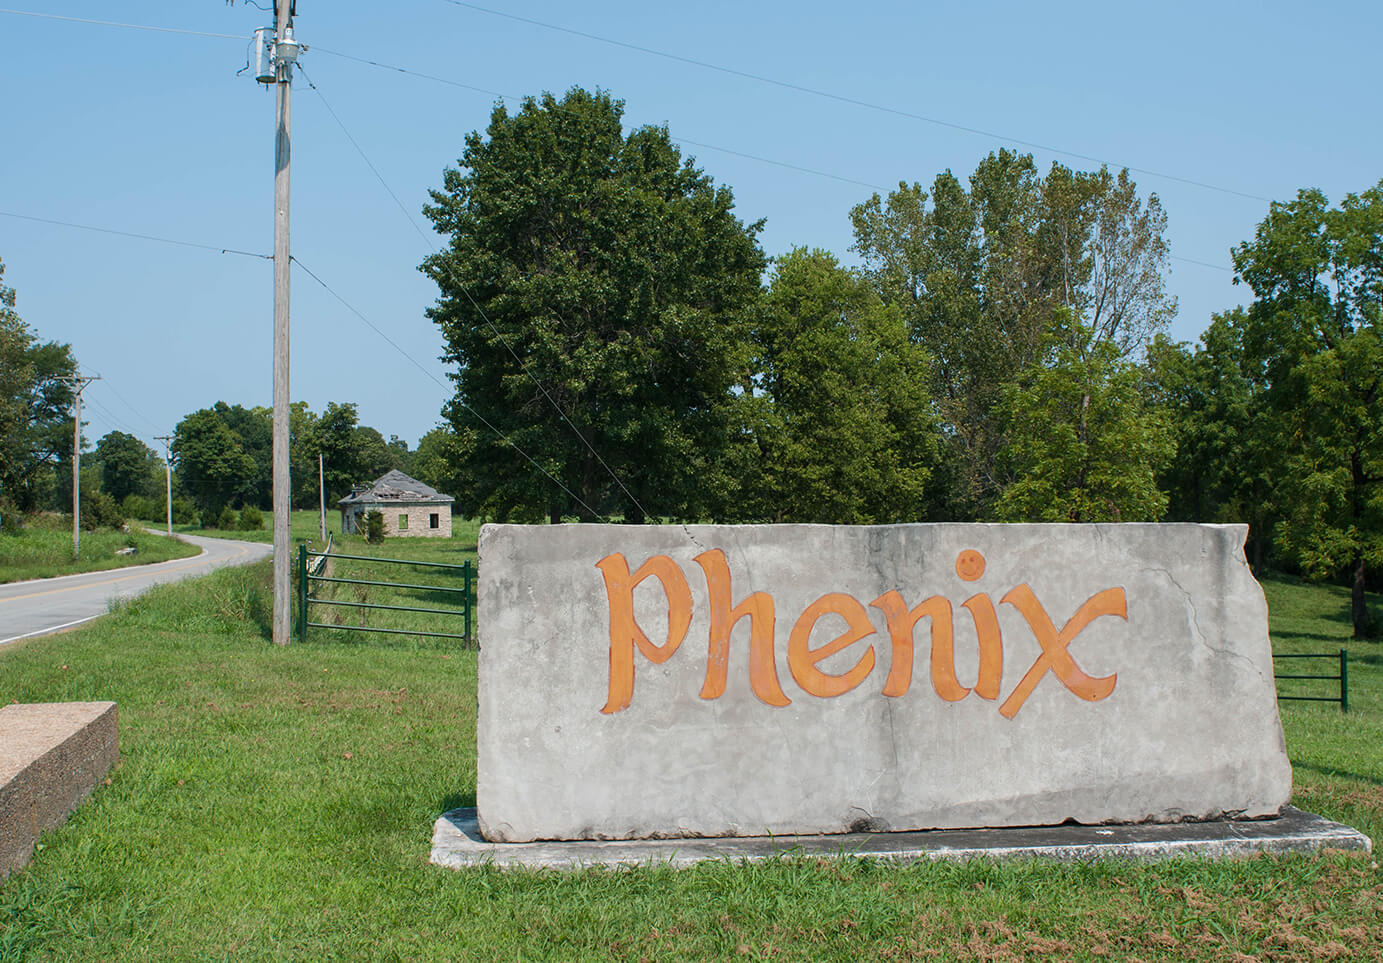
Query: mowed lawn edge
x=277, y=803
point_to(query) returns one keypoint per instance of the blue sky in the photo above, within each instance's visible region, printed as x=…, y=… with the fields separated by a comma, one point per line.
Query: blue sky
x=153, y=133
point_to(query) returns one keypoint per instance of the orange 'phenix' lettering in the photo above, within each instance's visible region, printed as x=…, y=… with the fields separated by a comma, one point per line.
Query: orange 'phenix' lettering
x=1054, y=655
x=804, y=661
x=625, y=632
x=758, y=608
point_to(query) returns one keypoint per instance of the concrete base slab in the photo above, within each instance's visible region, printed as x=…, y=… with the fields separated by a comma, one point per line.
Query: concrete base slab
x=52, y=755
x=457, y=843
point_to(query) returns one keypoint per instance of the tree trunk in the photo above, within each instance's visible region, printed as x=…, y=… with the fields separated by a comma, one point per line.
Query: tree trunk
x=1358, y=609
x=554, y=514
x=633, y=514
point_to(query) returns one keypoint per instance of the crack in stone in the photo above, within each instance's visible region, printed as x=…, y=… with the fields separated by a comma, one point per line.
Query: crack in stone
x=686, y=530
x=1200, y=633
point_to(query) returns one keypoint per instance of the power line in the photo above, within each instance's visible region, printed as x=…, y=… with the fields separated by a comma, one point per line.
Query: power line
x=127, y=404
x=682, y=140
x=507, y=440
x=114, y=419
x=127, y=26
x=481, y=311
x=648, y=50
x=142, y=237
x=841, y=98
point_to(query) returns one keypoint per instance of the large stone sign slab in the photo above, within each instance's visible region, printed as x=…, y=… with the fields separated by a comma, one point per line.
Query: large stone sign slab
x=647, y=681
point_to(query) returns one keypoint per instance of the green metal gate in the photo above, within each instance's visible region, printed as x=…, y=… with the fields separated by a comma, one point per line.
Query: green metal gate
x=307, y=577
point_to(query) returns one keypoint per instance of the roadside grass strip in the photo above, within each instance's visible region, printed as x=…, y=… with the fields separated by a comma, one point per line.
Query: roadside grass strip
x=44, y=550
x=277, y=803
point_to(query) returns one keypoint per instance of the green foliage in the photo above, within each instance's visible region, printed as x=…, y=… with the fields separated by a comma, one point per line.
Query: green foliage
x=337, y=439
x=99, y=510
x=253, y=428
x=1082, y=446
x=128, y=466
x=437, y=462
x=374, y=526
x=1314, y=332
x=184, y=511
x=619, y=275
x=227, y=520
x=848, y=434
x=987, y=278
x=251, y=519
x=142, y=507
x=35, y=408
x=212, y=464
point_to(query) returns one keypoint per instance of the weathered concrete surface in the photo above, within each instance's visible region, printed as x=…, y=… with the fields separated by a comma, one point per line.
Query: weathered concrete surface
x=52, y=755
x=457, y=844
x=1170, y=712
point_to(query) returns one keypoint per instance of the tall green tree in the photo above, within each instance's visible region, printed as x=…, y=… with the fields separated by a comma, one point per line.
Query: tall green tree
x=438, y=462
x=1082, y=445
x=1317, y=276
x=988, y=275
x=1227, y=465
x=619, y=277
x=254, y=427
x=849, y=435
x=128, y=466
x=35, y=408
x=211, y=463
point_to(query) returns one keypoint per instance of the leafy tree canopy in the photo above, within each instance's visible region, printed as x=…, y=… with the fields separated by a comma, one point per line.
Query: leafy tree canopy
x=990, y=276
x=850, y=435
x=1313, y=330
x=35, y=406
x=594, y=298
x=128, y=466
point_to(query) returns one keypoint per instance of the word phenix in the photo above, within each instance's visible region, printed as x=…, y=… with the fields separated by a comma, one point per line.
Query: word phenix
x=626, y=636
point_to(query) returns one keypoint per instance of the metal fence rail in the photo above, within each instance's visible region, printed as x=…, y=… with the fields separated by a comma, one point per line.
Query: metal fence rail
x=311, y=564
x=1341, y=676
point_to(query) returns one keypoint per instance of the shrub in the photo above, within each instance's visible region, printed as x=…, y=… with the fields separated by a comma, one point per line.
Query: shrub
x=11, y=521
x=251, y=519
x=374, y=527
x=184, y=511
x=100, y=511
x=227, y=520
x=141, y=506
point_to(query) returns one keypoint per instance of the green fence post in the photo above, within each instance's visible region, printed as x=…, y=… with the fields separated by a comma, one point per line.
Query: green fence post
x=302, y=593
x=1344, y=682
x=466, y=573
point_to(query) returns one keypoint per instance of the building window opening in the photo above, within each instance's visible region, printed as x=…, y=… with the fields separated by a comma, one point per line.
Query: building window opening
x=434, y=520
x=403, y=523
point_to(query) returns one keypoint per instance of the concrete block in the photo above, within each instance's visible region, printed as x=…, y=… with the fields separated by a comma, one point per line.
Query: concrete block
x=52, y=755
x=458, y=844
x=690, y=681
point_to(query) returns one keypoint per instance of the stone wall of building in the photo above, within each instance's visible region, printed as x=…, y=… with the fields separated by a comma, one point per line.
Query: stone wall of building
x=422, y=520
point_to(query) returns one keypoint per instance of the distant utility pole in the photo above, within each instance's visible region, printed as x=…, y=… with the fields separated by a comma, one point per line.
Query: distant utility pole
x=275, y=53
x=78, y=383
x=168, y=472
x=322, y=494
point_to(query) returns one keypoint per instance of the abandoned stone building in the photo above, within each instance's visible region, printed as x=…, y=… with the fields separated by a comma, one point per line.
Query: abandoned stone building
x=409, y=507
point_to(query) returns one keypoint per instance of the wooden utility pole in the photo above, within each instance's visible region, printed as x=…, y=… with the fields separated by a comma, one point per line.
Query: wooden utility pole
x=168, y=473
x=285, y=53
x=322, y=494
x=78, y=382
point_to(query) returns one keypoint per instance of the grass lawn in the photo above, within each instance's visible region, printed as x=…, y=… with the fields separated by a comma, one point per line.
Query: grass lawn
x=278, y=804
x=43, y=549
x=304, y=525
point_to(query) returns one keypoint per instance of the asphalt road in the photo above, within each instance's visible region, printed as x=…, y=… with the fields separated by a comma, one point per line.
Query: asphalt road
x=47, y=605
